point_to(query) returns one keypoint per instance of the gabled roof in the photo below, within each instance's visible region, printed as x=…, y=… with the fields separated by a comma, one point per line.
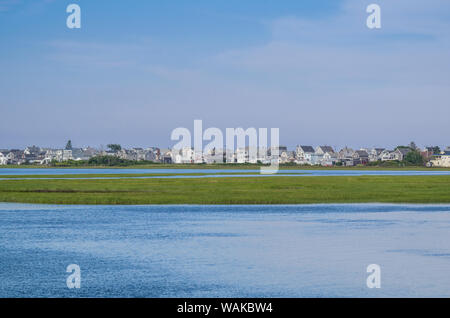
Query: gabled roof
x=379, y=150
x=331, y=154
x=307, y=148
x=347, y=150
x=327, y=149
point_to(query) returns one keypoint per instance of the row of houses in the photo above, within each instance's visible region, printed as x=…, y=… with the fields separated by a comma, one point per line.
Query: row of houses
x=307, y=155
x=241, y=155
x=37, y=155
x=327, y=156
x=302, y=155
x=142, y=154
x=33, y=155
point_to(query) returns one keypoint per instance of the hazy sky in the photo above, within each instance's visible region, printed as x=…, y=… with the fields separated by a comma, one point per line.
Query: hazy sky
x=138, y=69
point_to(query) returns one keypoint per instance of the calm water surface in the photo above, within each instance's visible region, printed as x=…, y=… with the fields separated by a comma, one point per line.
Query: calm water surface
x=225, y=251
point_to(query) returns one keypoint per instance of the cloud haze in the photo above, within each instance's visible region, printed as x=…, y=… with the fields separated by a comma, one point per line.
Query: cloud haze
x=319, y=78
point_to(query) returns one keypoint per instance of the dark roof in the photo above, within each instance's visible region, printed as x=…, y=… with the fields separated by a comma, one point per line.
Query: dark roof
x=307, y=148
x=327, y=149
x=362, y=153
x=16, y=151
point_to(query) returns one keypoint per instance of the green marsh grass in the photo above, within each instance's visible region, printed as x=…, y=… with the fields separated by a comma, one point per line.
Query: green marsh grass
x=231, y=190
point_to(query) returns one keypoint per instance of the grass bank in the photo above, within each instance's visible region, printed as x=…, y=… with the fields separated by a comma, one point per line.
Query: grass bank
x=249, y=190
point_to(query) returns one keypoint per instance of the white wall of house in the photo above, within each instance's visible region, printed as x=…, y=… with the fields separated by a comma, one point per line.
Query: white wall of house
x=58, y=155
x=241, y=155
x=441, y=161
x=302, y=157
x=186, y=155
x=307, y=158
x=387, y=156
x=316, y=159
x=247, y=155
x=3, y=159
x=328, y=159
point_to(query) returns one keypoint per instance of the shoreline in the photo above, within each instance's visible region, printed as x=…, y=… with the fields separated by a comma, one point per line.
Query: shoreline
x=228, y=166
x=387, y=204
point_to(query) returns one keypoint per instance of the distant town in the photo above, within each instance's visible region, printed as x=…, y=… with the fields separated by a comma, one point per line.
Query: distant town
x=302, y=155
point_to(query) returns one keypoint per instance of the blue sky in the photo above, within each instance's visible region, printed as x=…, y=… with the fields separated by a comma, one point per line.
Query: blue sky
x=138, y=69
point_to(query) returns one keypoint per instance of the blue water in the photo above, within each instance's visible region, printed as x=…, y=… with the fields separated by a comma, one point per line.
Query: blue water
x=225, y=251
x=209, y=172
x=61, y=171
